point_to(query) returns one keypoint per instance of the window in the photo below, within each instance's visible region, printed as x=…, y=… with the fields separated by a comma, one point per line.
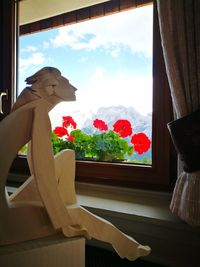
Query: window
x=8, y=31
x=152, y=176
x=112, y=69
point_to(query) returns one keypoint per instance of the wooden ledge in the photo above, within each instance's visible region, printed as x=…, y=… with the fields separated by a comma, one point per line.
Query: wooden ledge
x=52, y=251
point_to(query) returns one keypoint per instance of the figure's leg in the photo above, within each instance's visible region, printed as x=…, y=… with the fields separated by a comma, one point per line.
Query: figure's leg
x=96, y=227
x=65, y=172
x=27, y=192
x=65, y=175
x=103, y=230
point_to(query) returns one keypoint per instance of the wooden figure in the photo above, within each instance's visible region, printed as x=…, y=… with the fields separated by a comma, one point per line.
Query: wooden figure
x=46, y=203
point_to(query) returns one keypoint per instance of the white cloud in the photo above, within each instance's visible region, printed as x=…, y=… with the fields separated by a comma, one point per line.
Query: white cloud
x=29, y=48
x=115, y=52
x=98, y=73
x=33, y=60
x=119, y=89
x=104, y=91
x=132, y=29
x=45, y=45
x=83, y=59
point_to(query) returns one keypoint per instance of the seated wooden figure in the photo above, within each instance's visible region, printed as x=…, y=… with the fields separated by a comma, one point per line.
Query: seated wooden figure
x=46, y=203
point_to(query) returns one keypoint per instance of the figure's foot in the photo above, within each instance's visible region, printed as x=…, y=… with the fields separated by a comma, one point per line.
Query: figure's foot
x=140, y=251
x=129, y=248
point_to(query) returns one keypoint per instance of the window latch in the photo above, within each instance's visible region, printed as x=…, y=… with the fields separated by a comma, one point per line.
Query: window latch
x=1, y=102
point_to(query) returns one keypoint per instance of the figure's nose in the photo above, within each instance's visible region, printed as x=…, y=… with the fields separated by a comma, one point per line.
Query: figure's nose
x=74, y=88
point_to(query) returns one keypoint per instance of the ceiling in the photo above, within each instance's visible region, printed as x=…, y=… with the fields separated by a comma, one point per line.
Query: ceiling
x=33, y=10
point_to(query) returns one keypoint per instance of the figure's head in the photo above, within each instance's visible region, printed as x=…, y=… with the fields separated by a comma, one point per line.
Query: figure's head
x=48, y=84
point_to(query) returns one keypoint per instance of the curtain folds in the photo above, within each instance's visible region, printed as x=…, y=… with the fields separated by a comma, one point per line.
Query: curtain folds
x=180, y=34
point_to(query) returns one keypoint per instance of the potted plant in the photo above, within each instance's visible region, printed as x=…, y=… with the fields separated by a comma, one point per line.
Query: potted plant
x=104, y=144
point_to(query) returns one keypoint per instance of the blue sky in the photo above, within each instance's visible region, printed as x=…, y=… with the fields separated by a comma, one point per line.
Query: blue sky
x=109, y=60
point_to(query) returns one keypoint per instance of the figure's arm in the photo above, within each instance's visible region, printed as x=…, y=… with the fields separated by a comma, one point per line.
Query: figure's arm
x=42, y=161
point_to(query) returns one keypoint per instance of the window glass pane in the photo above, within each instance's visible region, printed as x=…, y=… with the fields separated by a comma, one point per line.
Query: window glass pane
x=109, y=61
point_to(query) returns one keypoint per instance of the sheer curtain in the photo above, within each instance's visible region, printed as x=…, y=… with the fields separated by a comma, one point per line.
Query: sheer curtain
x=180, y=34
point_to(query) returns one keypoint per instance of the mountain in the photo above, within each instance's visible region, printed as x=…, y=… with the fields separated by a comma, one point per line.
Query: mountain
x=110, y=115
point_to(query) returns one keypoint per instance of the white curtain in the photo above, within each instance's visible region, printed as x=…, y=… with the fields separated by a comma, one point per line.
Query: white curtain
x=180, y=34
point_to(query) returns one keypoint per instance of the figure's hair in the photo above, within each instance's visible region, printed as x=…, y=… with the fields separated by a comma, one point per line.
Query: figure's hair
x=46, y=73
x=41, y=83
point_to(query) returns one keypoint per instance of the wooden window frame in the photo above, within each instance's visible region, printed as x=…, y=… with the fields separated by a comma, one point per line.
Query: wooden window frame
x=160, y=175
x=8, y=14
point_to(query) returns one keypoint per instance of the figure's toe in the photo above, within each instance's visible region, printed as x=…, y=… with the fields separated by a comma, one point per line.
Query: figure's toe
x=140, y=251
x=144, y=250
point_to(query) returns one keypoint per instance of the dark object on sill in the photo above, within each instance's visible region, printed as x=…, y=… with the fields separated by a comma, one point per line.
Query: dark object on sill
x=97, y=257
x=185, y=133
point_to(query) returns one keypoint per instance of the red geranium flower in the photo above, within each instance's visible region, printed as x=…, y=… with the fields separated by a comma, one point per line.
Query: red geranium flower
x=141, y=142
x=101, y=125
x=60, y=131
x=70, y=138
x=67, y=121
x=123, y=127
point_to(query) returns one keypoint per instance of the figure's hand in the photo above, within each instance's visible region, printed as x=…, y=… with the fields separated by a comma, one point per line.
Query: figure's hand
x=75, y=230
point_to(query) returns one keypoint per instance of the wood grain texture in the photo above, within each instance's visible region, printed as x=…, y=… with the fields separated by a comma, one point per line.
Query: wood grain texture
x=46, y=203
x=52, y=251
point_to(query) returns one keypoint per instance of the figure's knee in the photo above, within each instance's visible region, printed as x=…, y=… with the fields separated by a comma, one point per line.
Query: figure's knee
x=65, y=163
x=66, y=154
x=65, y=174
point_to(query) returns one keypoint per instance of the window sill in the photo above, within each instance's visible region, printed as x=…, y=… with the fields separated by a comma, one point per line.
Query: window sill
x=144, y=215
x=133, y=202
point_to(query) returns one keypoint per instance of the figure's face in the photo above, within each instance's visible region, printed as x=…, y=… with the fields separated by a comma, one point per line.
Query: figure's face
x=64, y=90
